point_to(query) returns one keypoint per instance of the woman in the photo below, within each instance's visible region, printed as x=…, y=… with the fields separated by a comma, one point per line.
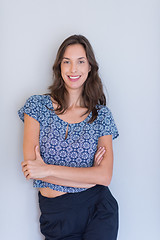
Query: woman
x=68, y=149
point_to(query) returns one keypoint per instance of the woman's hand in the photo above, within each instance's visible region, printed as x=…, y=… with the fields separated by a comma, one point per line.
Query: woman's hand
x=99, y=156
x=34, y=169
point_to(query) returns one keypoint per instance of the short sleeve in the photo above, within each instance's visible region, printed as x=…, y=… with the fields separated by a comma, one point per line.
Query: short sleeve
x=31, y=108
x=107, y=123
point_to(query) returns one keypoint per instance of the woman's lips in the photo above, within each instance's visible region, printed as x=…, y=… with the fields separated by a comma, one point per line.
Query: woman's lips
x=74, y=78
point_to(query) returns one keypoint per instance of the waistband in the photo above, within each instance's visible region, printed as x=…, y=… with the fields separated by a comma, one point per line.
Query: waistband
x=70, y=199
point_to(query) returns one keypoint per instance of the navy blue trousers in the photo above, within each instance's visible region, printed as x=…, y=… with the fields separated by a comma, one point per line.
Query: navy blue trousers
x=89, y=215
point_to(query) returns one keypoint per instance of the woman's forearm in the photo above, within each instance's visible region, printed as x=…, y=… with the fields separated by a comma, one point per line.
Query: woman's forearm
x=97, y=174
x=90, y=175
x=64, y=182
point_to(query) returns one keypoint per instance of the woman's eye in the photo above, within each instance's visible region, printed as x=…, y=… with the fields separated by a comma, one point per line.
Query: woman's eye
x=81, y=62
x=66, y=62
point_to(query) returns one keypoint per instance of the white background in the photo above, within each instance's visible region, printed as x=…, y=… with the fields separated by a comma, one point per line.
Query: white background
x=125, y=36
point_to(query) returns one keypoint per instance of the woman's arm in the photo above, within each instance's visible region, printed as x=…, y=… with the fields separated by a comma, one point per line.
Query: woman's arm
x=98, y=174
x=30, y=141
x=39, y=170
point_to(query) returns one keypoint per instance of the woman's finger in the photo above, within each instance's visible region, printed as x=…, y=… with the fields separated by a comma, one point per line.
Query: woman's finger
x=23, y=163
x=27, y=162
x=99, y=160
x=26, y=173
x=100, y=153
x=24, y=168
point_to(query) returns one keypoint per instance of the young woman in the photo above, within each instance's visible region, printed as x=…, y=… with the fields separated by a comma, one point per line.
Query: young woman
x=68, y=149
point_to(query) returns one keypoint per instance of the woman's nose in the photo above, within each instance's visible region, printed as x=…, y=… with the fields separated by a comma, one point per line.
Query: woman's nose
x=73, y=68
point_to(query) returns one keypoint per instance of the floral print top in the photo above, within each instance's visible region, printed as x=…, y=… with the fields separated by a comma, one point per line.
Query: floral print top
x=80, y=146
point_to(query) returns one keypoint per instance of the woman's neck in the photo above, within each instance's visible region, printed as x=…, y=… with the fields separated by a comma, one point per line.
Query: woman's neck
x=74, y=99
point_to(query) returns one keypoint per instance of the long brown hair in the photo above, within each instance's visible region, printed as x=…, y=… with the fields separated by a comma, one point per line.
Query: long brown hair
x=92, y=93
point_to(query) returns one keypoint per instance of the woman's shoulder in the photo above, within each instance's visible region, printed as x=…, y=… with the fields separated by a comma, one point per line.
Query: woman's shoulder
x=35, y=106
x=102, y=109
x=107, y=123
x=41, y=99
x=103, y=112
x=38, y=97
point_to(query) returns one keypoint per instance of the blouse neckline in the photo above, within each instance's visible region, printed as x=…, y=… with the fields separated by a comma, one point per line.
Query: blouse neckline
x=67, y=123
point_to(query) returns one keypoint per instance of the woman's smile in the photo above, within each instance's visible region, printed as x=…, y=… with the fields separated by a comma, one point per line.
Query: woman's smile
x=74, y=78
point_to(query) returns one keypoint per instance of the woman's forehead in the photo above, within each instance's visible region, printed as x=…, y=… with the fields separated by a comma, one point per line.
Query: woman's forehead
x=75, y=51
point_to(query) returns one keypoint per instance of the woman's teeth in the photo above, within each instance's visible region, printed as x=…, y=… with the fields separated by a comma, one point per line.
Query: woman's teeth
x=74, y=77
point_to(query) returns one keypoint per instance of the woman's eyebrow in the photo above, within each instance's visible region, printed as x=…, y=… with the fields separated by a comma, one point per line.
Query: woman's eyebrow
x=82, y=57
x=69, y=58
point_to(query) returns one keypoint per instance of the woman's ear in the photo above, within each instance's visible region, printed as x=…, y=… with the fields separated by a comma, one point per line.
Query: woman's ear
x=89, y=68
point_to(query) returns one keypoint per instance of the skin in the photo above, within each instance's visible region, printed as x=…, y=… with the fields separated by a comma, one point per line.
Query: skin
x=74, y=70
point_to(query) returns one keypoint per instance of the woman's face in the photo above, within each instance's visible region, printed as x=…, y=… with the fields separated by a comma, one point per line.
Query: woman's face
x=74, y=67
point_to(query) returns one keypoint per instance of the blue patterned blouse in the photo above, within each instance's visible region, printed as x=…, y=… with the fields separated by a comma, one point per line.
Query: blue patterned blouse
x=80, y=146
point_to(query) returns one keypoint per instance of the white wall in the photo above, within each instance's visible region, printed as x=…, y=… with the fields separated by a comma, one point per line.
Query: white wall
x=125, y=36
